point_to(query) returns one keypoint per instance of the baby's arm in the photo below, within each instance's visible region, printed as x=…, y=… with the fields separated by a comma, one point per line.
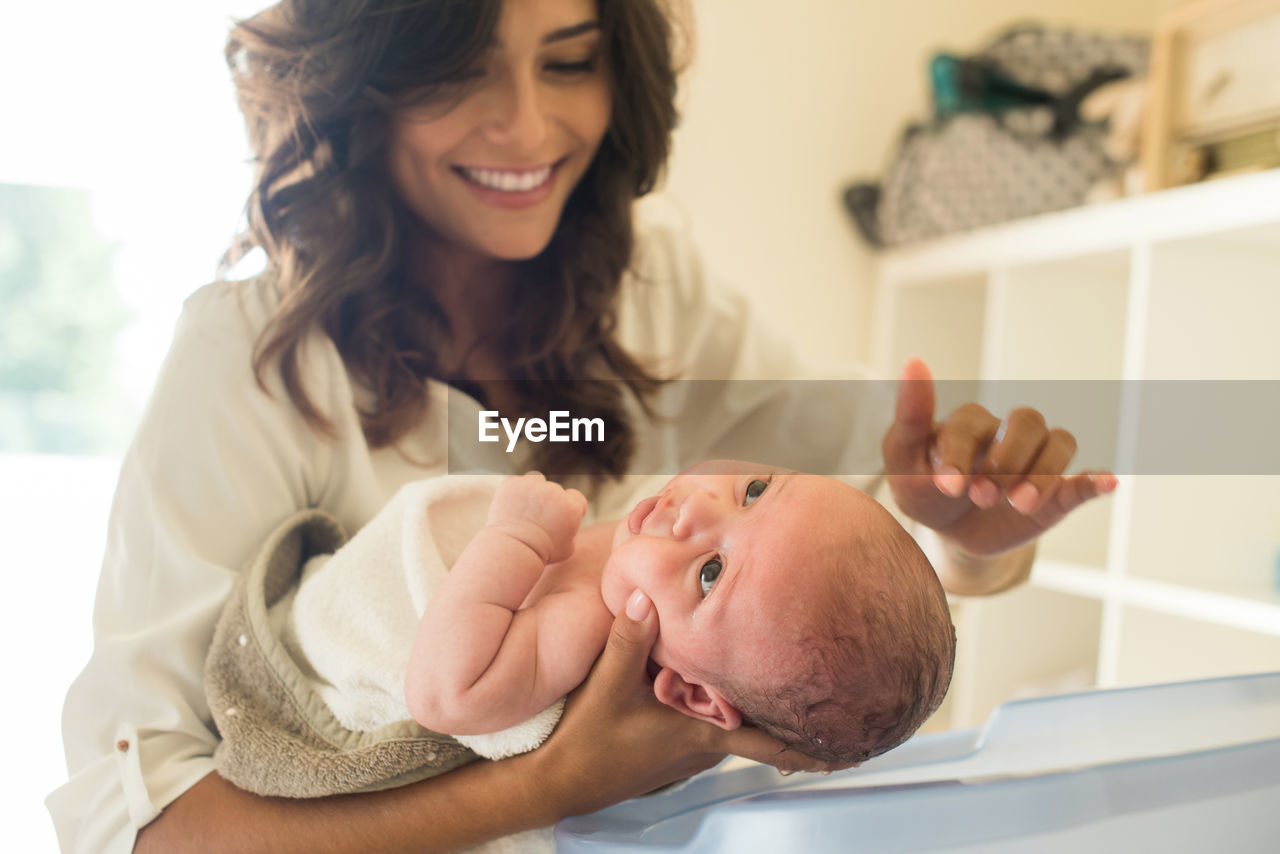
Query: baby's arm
x=474, y=667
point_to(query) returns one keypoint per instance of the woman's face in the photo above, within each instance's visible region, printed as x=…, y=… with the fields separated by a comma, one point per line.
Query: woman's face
x=490, y=173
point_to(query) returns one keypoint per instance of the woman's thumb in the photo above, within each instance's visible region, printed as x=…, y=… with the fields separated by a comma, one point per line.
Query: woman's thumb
x=634, y=630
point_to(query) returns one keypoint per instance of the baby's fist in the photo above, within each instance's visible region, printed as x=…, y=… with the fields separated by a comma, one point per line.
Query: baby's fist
x=543, y=515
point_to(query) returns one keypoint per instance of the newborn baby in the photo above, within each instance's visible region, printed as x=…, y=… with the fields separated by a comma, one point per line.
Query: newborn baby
x=791, y=602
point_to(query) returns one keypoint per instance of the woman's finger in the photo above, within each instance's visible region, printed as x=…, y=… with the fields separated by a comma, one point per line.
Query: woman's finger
x=1079, y=488
x=960, y=441
x=754, y=744
x=1014, y=449
x=1044, y=478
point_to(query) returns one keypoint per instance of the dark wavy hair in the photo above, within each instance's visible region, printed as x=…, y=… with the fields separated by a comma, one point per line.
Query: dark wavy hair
x=318, y=82
x=873, y=663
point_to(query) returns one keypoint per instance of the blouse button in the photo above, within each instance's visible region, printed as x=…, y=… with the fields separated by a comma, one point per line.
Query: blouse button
x=122, y=745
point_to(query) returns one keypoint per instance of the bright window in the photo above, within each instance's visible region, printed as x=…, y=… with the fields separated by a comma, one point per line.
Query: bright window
x=123, y=170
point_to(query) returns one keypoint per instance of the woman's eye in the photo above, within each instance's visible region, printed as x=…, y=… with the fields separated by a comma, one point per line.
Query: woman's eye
x=755, y=489
x=584, y=66
x=708, y=574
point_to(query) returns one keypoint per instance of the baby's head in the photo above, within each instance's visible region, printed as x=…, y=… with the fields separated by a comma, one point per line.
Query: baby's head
x=793, y=602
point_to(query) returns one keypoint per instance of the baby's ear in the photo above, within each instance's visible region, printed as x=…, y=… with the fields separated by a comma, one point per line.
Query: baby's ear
x=695, y=699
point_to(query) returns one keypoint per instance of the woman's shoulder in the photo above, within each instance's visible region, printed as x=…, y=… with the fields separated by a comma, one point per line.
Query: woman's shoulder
x=665, y=281
x=668, y=304
x=228, y=319
x=230, y=310
x=211, y=408
x=212, y=354
x=665, y=259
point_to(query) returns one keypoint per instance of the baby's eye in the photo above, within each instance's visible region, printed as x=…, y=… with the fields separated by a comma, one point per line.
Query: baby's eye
x=708, y=574
x=755, y=489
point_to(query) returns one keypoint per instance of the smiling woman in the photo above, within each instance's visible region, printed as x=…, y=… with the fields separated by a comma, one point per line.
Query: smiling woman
x=473, y=193
x=443, y=194
x=490, y=172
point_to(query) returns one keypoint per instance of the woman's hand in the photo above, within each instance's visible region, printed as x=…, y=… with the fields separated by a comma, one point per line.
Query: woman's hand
x=985, y=484
x=616, y=741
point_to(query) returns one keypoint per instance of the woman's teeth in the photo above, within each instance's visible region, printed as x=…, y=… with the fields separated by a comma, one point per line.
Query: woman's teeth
x=508, y=181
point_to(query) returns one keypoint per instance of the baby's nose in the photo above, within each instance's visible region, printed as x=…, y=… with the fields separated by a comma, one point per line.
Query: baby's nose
x=700, y=509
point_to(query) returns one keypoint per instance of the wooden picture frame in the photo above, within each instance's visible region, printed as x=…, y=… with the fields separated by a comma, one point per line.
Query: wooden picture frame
x=1213, y=104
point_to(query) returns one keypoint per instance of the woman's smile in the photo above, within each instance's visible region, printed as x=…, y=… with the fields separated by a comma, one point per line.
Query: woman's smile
x=510, y=188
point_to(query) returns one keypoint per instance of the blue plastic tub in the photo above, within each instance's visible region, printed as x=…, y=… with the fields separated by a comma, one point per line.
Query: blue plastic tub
x=1184, y=767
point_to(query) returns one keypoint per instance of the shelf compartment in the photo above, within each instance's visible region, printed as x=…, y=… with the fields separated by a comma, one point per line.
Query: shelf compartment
x=1064, y=320
x=1230, y=607
x=1159, y=647
x=1224, y=288
x=1045, y=642
x=940, y=321
x=1219, y=534
x=1082, y=538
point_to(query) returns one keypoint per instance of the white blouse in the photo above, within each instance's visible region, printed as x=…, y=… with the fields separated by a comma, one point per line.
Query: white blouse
x=217, y=463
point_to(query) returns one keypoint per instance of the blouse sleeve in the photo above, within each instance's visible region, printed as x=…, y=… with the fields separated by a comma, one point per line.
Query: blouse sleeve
x=215, y=465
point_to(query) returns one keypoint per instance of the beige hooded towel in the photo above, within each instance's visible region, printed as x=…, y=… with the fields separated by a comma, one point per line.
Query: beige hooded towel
x=278, y=735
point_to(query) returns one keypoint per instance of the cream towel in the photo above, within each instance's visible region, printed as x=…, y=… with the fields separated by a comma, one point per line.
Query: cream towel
x=351, y=622
x=280, y=738
x=277, y=735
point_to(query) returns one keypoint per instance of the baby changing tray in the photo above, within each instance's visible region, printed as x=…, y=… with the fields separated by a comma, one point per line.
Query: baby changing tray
x=1183, y=767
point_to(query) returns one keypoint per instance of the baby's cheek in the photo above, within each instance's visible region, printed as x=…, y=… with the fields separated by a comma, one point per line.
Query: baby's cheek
x=668, y=651
x=614, y=588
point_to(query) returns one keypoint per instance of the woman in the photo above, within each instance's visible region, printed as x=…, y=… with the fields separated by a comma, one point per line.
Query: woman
x=444, y=197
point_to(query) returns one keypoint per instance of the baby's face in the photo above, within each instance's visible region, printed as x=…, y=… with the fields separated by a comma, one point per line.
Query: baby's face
x=733, y=556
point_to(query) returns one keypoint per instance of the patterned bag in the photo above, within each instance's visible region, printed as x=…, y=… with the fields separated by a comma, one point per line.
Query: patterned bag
x=988, y=165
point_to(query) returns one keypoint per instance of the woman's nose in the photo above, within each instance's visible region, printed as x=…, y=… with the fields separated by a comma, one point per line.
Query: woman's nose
x=699, y=510
x=518, y=118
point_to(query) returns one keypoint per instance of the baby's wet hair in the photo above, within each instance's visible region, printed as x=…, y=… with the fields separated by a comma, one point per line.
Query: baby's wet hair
x=872, y=664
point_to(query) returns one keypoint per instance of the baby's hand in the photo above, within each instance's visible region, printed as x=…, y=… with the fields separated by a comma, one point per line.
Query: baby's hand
x=543, y=515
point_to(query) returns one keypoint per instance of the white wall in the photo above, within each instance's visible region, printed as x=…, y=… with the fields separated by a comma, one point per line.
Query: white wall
x=787, y=102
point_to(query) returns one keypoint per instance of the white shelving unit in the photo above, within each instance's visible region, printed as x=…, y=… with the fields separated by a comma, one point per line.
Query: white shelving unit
x=1174, y=576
